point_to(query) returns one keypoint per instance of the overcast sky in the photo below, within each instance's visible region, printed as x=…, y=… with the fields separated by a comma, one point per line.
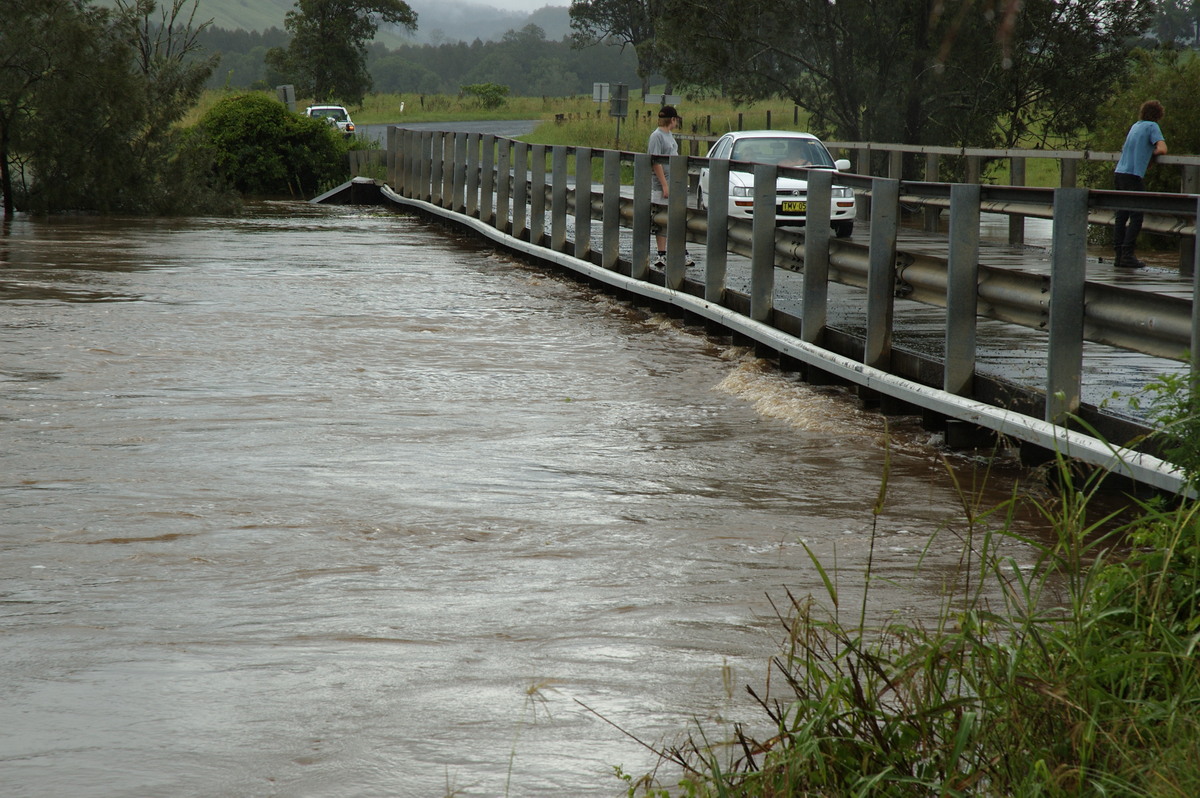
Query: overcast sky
x=521, y=5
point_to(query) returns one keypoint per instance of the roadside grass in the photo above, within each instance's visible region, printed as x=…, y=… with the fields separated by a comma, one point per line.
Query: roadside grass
x=1075, y=674
x=579, y=121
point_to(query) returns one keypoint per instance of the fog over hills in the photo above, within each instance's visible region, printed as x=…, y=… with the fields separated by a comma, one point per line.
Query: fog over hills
x=438, y=21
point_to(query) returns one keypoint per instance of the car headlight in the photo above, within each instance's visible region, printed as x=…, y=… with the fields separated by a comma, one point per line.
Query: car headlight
x=741, y=191
x=843, y=192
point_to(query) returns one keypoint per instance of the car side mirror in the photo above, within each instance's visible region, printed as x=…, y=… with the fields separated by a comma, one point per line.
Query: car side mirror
x=842, y=164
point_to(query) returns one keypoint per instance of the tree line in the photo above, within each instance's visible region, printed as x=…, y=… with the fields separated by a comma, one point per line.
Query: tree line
x=524, y=60
x=935, y=72
x=90, y=98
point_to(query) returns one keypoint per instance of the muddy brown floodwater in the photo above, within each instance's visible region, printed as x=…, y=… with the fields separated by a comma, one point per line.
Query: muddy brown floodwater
x=329, y=502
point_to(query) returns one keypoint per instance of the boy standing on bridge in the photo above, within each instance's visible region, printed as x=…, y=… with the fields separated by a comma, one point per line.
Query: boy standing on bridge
x=662, y=143
x=1143, y=142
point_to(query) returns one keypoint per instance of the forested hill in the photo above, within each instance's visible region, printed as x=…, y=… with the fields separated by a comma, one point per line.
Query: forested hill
x=438, y=20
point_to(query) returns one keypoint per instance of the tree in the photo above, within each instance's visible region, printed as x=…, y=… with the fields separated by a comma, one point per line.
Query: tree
x=89, y=99
x=327, y=55
x=632, y=23
x=262, y=148
x=909, y=71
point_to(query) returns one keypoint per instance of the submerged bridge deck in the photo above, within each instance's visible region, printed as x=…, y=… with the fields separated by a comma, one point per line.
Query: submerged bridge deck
x=961, y=327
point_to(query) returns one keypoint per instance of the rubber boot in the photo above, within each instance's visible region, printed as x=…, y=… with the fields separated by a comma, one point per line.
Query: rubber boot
x=1127, y=260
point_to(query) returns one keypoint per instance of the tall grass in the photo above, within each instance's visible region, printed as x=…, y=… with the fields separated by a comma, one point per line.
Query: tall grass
x=1076, y=675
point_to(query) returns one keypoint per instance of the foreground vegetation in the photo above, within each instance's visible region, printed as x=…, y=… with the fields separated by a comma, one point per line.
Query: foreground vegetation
x=1082, y=678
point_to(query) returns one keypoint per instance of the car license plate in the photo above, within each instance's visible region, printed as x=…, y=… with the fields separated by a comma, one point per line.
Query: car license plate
x=793, y=206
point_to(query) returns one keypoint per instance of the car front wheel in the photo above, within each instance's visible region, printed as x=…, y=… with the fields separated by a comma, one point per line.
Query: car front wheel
x=843, y=229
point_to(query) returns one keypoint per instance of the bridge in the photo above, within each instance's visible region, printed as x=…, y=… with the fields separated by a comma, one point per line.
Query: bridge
x=844, y=310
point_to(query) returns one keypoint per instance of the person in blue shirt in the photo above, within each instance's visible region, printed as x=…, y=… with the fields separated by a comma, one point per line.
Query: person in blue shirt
x=1142, y=144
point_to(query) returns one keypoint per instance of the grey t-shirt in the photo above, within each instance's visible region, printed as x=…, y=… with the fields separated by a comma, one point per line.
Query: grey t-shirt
x=661, y=143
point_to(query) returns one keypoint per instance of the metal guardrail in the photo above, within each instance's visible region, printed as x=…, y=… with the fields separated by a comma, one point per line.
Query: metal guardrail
x=509, y=188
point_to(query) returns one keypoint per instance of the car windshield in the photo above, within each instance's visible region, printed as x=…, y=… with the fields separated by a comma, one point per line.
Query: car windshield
x=332, y=113
x=782, y=151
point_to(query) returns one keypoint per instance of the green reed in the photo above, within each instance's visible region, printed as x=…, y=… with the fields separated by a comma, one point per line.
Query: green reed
x=1075, y=674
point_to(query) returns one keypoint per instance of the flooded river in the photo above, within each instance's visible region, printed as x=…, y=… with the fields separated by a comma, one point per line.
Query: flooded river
x=330, y=502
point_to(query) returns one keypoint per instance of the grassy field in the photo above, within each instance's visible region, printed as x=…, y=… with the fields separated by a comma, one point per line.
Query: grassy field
x=578, y=121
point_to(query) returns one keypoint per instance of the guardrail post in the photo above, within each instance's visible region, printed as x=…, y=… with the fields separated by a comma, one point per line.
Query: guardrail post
x=932, y=214
x=1187, y=244
x=537, y=194
x=677, y=222
x=520, y=216
x=974, y=169
x=762, y=260
x=487, y=179
x=457, y=173
x=389, y=154
x=610, y=253
x=640, y=254
x=1068, y=274
x=1016, y=222
x=402, y=160
x=410, y=169
x=437, y=168
x=815, y=301
x=471, y=206
x=881, y=271
x=558, y=199
x=962, y=289
x=1196, y=305
x=454, y=172
x=716, y=247
x=503, y=184
x=583, y=202
x=896, y=165
x=1070, y=172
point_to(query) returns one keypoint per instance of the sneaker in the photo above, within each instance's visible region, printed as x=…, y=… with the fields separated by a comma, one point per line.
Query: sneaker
x=659, y=262
x=688, y=260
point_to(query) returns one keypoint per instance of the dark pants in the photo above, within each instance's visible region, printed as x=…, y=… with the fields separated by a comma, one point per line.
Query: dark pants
x=1127, y=224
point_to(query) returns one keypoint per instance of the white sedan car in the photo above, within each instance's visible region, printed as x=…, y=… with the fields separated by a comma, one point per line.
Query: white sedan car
x=784, y=148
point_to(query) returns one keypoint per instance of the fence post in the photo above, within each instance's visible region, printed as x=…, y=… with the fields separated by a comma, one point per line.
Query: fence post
x=558, y=199
x=583, y=202
x=815, y=301
x=881, y=271
x=640, y=254
x=487, y=179
x=962, y=289
x=762, y=259
x=677, y=221
x=716, y=251
x=1068, y=273
x=611, y=215
x=537, y=194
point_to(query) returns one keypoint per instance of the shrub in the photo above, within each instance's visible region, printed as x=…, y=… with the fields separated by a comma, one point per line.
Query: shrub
x=261, y=148
x=489, y=95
